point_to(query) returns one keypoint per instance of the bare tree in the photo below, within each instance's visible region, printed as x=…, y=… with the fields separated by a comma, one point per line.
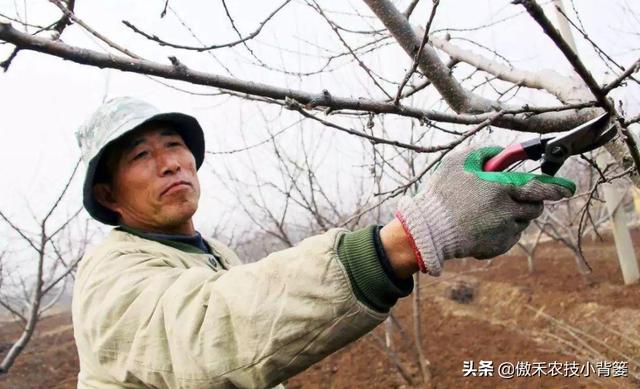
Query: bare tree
x=567, y=233
x=529, y=246
x=56, y=257
x=568, y=221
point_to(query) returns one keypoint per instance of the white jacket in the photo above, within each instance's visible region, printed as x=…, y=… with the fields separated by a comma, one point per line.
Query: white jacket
x=149, y=315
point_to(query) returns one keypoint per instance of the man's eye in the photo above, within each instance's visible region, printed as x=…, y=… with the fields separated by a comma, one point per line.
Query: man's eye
x=174, y=144
x=139, y=155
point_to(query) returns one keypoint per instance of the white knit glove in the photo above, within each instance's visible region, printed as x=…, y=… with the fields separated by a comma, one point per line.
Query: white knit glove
x=464, y=211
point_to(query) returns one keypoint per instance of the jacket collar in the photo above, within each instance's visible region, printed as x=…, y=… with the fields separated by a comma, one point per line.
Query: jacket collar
x=165, y=239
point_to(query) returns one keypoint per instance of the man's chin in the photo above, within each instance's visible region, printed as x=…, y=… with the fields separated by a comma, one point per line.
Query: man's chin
x=177, y=215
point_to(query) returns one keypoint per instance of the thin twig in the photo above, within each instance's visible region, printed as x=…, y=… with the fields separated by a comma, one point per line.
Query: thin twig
x=597, y=48
x=65, y=19
x=22, y=23
x=164, y=9
x=250, y=36
x=627, y=73
x=69, y=14
x=409, y=10
x=574, y=332
x=294, y=105
x=362, y=65
x=393, y=358
x=447, y=148
x=416, y=58
x=632, y=120
x=7, y=62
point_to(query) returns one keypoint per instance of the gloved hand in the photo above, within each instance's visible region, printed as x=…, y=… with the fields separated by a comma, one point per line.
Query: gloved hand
x=464, y=211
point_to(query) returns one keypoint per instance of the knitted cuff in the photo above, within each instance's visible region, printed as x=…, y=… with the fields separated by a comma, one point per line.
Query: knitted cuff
x=430, y=225
x=370, y=283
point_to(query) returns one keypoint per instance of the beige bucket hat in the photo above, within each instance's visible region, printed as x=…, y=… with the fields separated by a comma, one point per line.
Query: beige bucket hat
x=113, y=120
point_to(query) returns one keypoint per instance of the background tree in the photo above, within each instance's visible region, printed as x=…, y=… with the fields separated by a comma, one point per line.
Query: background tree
x=57, y=254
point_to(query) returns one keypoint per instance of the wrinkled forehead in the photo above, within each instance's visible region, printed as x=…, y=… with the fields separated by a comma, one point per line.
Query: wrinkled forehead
x=139, y=136
x=146, y=132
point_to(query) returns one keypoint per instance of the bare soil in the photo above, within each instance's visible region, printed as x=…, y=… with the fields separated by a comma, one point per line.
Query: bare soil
x=478, y=310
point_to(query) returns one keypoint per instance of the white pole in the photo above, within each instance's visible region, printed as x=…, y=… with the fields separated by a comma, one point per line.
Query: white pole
x=624, y=245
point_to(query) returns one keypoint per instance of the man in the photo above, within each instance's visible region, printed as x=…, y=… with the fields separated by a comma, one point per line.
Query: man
x=156, y=305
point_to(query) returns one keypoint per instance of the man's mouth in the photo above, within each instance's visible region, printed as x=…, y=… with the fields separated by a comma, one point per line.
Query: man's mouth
x=175, y=186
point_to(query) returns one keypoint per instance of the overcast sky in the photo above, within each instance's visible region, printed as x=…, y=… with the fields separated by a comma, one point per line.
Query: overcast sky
x=44, y=99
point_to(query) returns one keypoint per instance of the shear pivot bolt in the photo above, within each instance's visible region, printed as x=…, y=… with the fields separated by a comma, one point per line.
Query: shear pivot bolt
x=557, y=151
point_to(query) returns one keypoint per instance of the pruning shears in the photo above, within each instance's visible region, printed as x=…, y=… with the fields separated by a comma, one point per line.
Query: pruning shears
x=554, y=150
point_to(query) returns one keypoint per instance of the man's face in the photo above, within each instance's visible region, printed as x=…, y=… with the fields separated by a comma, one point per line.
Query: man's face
x=154, y=184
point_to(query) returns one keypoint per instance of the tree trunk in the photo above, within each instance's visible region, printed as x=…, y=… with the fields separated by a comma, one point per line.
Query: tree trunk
x=417, y=334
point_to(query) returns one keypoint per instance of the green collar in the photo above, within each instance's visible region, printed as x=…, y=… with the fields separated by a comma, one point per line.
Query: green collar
x=172, y=243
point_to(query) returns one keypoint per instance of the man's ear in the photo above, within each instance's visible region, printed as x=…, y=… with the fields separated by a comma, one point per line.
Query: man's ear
x=104, y=196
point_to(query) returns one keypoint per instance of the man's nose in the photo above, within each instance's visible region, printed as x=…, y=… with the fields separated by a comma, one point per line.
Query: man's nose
x=168, y=163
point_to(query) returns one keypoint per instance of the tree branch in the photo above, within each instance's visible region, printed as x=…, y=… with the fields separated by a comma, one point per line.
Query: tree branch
x=459, y=99
x=69, y=14
x=632, y=120
x=163, y=42
x=7, y=62
x=538, y=15
x=601, y=53
x=20, y=232
x=412, y=6
x=416, y=59
x=362, y=65
x=566, y=89
x=164, y=9
x=62, y=193
x=65, y=19
x=512, y=119
x=13, y=311
x=294, y=105
x=627, y=73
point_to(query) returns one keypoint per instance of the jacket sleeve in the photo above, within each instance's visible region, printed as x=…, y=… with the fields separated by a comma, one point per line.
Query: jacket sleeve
x=251, y=326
